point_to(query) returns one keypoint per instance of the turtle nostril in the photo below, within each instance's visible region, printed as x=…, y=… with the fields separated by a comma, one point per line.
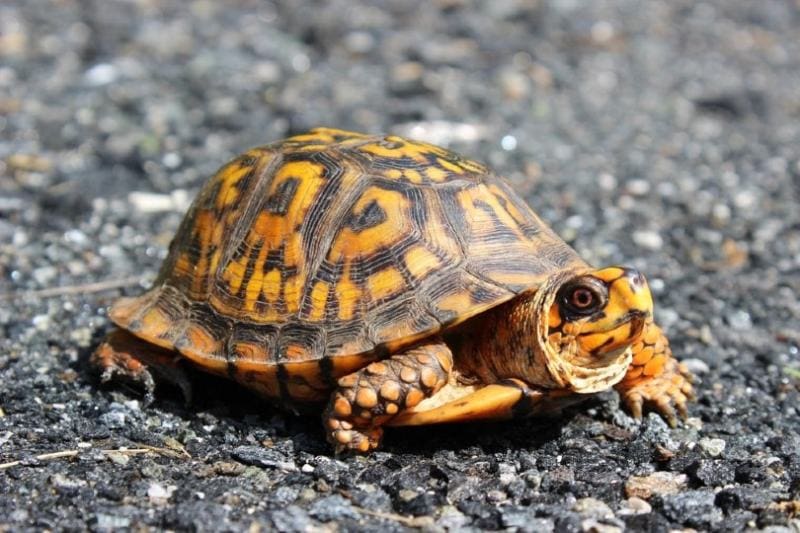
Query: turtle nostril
x=635, y=277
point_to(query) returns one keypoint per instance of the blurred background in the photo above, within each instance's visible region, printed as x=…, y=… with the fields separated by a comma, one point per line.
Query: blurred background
x=663, y=134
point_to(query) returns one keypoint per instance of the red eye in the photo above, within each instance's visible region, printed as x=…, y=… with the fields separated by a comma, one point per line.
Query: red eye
x=582, y=298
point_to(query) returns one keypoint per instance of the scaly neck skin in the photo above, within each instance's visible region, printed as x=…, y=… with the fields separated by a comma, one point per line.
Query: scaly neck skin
x=502, y=343
x=511, y=341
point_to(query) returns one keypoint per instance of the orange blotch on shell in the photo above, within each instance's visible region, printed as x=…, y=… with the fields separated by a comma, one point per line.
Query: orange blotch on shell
x=348, y=294
x=201, y=340
x=412, y=175
x=449, y=165
x=391, y=408
x=457, y=302
x=393, y=173
x=234, y=274
x=298, y=352
x=250, y=352
x=421, y=261
x=271, y=286
x=437, y=174
x=155, y=323
x=319, y=299
x=384, y=283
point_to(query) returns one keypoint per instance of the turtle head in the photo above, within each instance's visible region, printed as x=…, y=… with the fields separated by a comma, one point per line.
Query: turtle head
x=591, y=321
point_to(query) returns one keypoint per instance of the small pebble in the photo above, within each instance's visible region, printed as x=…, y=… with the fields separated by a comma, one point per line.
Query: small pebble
x=648, y=239
x=713, y=447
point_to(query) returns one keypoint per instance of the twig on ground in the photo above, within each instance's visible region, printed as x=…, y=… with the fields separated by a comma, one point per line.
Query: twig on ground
x=410, y=521
x=84, y=288
x=169, y=452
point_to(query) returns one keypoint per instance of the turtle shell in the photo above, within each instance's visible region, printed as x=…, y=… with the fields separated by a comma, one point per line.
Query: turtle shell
x=305, y=259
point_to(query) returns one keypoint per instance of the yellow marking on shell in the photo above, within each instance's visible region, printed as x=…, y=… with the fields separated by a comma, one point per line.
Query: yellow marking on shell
x=254, y=286
x=437, y=174
x=384, y=283
x=413, y=175
x=205, y=223
x=350, y=244
x=234, y=274
x=380, y=150
x=272, y=231
x=319, y=297
x=437, y=231
x=298, y=352
x=230, y=176
x=420, y=262
x=449, y=165
x=393, y=173
x=456, y=302
x=155, y=322
x=183, y=264
x=348, y=294
x=473, y=166
x=203, y=349
x=512, y=210
x=250, y=352
x=271, y=286
x=480, y=221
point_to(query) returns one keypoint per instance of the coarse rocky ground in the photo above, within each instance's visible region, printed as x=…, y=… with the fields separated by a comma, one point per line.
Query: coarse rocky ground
x=662, y=134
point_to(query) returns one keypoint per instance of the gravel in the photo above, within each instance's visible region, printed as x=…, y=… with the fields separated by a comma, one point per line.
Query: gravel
x=663, y=134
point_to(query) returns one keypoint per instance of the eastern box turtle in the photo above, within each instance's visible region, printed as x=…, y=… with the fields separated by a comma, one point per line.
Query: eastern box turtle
x=396, y=283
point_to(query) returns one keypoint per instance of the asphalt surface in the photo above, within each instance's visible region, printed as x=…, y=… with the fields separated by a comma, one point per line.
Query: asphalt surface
x=661, y=134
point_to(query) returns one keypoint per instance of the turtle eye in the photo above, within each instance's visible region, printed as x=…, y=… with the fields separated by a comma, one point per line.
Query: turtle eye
x=584, y=297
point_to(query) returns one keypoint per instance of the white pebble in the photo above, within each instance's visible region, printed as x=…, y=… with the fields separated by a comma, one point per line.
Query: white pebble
x=713, y=447
x=648, y=239
x=101, y=74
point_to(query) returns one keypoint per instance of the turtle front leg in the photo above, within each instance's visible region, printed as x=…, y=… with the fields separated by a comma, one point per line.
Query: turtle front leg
x=124, y=356
x=366, y=399
x=655, y=378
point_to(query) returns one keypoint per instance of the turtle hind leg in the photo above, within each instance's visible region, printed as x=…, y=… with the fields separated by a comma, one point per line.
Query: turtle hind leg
x=368, y=398
x=125, y=357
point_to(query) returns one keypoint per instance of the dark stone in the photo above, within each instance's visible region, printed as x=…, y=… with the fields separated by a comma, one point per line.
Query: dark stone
x=332, y=508
x=711, y=473
x=694, y=508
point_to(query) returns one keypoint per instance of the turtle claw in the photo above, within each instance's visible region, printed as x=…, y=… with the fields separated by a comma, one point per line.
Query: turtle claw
x=667, y=394
x=121, y=356
x=349, y=439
